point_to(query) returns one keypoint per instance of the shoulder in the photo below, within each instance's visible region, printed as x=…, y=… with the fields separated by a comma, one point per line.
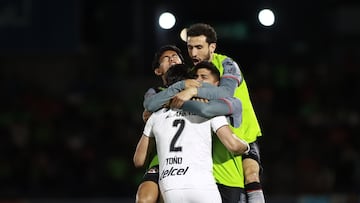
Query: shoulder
x=158, y=88
x=220, y=59
x=155, y=116
x=153, y=90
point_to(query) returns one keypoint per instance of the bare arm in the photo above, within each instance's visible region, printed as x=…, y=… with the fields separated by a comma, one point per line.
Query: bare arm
x=144, y=147
x=231, y=141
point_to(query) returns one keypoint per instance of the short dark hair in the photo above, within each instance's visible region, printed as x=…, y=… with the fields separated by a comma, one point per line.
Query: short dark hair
x=176, y=73
x=202, y=29
x=209, y=66
x=155, y=62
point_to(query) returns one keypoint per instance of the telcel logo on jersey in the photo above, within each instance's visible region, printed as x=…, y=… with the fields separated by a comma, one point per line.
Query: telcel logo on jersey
x=173, y=172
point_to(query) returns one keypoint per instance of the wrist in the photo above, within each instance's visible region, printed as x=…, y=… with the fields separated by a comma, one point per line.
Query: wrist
x=195, y=91
x=248, y=148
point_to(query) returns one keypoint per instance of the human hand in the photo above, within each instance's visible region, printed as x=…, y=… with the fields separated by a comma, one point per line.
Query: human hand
x=200, y=99
x=185, y=95
x=192, y=83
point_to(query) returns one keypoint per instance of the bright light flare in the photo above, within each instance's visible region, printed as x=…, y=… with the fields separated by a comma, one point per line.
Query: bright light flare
x=266, y=17
x=183, y=34
x=167, y=20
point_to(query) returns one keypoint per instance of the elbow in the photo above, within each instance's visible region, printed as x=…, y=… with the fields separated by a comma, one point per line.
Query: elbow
x=239, y=148
x=149, y=106
x=236, y=149
x=146, y=105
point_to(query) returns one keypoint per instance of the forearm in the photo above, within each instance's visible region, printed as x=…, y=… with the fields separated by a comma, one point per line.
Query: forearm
x=229, y=106
x=207, y=110
x=157, y=100
x=141, y=151
x=232, y=142
x=225, y=89
x=229, y=81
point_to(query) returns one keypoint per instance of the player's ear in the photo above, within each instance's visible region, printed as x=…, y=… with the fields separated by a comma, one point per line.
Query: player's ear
x=212, y=47
x=157, y=71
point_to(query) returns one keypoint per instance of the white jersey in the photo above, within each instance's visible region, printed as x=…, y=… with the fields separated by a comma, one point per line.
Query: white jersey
x=184, y=148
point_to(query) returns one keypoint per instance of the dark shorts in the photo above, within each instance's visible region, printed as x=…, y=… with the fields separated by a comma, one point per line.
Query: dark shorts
x=231, y=194
x=152, y=174
x=254, y=154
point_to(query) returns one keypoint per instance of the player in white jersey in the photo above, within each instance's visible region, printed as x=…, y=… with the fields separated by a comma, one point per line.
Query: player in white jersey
x=184, y=147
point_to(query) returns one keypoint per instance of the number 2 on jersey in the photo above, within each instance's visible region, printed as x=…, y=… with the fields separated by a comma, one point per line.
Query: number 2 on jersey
x=177, y=122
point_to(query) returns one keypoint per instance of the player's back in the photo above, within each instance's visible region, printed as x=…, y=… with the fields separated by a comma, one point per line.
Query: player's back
x=184, y=148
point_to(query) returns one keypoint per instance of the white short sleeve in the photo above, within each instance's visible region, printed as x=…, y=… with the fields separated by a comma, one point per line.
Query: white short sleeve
x=218, y=122
x=148, y=126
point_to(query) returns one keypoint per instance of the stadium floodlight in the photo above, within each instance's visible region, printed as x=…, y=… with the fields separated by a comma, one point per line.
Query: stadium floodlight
x=266, y=17
x=167, y=20
x=183, y=34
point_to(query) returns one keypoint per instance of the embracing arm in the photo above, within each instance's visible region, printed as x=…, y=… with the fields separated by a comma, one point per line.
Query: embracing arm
x=143, y=149
x=231, y=141
x=209, y=109
x=229, y=106
x=156, y=101
x=215, y=107
x=229, y=81
x=146, y=114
